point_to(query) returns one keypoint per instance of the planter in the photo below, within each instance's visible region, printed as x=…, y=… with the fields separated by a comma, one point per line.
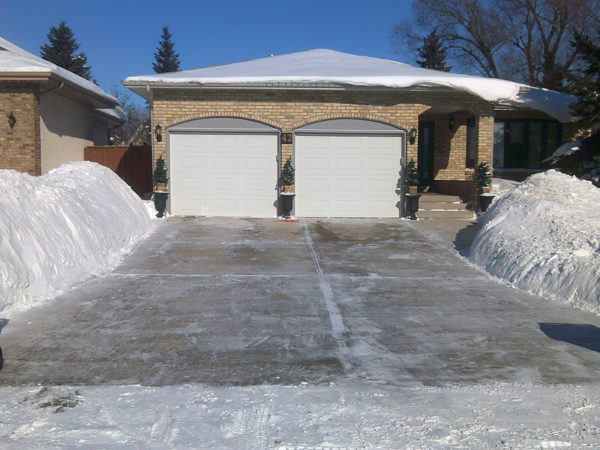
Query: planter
x=287, y=203
x=413, y=190
x=484, y=201
x=411, y=205
x=160, y=202
x=486, y=189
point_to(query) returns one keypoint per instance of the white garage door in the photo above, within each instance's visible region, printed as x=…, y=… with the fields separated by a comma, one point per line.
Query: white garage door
x=223, y=174
x=347, y=175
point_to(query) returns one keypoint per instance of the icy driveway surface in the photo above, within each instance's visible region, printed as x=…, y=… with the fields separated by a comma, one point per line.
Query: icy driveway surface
x=230, y=302
x=255, y=333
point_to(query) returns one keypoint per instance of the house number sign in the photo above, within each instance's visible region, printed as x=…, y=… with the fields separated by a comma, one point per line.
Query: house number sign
x=286, y=138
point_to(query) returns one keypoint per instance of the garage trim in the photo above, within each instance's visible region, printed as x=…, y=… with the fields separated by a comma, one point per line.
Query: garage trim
x=352, y=126
x=223, y=125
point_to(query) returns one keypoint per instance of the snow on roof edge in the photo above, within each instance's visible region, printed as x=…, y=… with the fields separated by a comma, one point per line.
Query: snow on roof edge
x=370, y=72
x=17, y=60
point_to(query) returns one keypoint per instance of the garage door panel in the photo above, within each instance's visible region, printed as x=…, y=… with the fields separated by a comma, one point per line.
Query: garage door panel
x=381, y=164
x=341, y=144
x=257, y=163
x=359, y=179
x=257, y=185
x=223, y=174
x=380, y=186
x=316, y=185
x=348, y=185
x=316, y=163
x=346, y=163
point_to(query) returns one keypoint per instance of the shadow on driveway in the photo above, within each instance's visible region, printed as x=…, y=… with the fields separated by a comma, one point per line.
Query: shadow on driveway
x=583, y=335
x=464, y=239
x=3, y=323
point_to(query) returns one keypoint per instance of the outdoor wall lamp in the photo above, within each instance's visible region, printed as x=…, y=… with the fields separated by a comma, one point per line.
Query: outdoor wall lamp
x=412, y=135
x=158, y=133
x=12, y=120
x=451, y=123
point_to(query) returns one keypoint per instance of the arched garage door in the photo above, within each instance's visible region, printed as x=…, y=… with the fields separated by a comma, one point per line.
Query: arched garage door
x=348, y=168
x=223, y=167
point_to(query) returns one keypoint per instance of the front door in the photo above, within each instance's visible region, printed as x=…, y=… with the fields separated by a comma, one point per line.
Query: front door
x=425, y=169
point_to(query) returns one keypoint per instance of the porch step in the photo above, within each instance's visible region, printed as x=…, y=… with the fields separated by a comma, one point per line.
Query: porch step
x=441, y=206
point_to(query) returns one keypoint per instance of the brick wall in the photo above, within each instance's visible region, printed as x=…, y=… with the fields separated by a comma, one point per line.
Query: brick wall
x=290, y=109
x=20, y=146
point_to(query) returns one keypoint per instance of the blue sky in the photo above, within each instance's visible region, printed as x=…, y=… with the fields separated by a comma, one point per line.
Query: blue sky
x=120, y=37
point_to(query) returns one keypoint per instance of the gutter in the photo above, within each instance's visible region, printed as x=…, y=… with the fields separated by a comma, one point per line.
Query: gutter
x=61, y=84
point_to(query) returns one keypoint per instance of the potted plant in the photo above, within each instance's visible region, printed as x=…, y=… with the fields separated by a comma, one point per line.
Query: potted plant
x=484, y=180
x=412, y=197
x=160, y=187
x=160, y=175
x=287, y=176
x=286, y=182
x=412, y=177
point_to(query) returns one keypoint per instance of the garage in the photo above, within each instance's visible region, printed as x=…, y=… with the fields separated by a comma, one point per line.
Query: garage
x=223, y=167
x=348, y=168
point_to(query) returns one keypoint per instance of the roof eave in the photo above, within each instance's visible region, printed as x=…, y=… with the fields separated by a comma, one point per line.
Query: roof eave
x=97, y=100
x=143, y=88
x=25, y=76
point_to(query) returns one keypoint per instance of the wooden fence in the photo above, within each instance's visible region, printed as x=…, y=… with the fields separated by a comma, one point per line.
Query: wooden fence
x=132, y=163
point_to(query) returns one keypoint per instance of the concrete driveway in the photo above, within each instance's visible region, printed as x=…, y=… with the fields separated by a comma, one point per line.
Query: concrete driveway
x=246, y=301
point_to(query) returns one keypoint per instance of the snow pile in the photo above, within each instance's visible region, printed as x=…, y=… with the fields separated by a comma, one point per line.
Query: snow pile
x=501, y=187
x=544, y=237
x=58, y=229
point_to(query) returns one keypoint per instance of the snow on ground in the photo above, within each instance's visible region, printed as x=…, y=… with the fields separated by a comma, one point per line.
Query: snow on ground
x=63, y=227
x=544, y=237
x=336, y=416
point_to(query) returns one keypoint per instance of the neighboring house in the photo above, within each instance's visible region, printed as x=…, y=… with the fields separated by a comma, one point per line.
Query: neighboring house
x=350, y=123
x=54, y=114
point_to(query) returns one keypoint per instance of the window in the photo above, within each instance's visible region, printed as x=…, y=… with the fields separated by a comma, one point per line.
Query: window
x=471, y=143
x=524, y=144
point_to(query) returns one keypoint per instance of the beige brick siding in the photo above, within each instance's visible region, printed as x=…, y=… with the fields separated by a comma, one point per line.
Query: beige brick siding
x=20, y=146
x=290, y=109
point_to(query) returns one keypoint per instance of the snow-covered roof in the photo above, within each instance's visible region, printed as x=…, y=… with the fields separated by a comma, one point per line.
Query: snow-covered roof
x=16, y=62
x=328, y=68
x=117, y=113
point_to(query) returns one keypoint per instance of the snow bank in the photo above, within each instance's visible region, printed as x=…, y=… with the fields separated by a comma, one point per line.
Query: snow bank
x=544, y=237
x=501, y=187
x=59, y=229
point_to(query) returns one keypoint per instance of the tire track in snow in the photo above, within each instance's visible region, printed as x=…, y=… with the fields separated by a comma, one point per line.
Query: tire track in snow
x=164, y=428
x=250, y=425
x=335, y=317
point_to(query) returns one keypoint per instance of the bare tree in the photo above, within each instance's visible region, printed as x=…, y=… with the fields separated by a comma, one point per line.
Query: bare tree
x=137, y=116
x=522, y=40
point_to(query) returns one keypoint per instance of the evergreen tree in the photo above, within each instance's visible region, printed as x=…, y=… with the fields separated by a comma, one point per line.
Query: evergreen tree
x=585, y=163
x=587, y=88
x=167, y=60
x=412, y=174
x=433, y=53
x=484, y=175
x=288, y=174
x=160, y=172
x=61, y=50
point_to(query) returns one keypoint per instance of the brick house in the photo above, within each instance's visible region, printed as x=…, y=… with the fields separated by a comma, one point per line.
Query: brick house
x=48, y=115
x=349, y=123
